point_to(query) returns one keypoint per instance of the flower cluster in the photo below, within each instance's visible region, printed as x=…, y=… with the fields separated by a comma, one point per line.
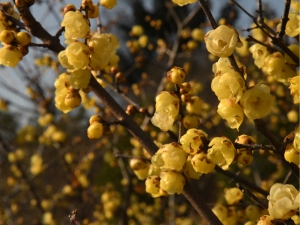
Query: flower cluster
x=15, y=44
x=97, y=52
x=235, y=100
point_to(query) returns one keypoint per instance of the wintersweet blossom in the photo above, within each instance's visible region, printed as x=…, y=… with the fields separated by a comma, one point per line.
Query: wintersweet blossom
x=10, y=56
x=232, y=112
x=294, y=88
x=77, y=56
x=233, y=195
x=221, y=152
x=259, y=53
x=76, y=26
x=167, y=108
x=257, y=101
x=222, y=41
x=292, y=26
x=228, y=85
x=284, y=201
x=171, y=182
x=192, y=140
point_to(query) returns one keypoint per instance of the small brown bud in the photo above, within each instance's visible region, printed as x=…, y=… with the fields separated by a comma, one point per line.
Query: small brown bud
x=144, y=110
x=120, y=78
x=20, y=3
x=185, y=88
x=69, y=7
x=185, y=98
x=131, y=110
x=114, y=69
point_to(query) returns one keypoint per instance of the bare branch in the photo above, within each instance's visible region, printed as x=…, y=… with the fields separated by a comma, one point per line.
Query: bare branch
x=284, y=19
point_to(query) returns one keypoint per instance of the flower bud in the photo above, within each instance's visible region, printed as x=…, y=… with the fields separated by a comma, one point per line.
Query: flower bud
x=176, y=75
x=233, y=195
x=138, y=164
x=190, y=121
x=95, y=131
x=194, y=105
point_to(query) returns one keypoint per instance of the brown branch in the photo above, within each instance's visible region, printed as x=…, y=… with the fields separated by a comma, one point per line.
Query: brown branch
x=284, y=19
x=200, y=205
x=260, y=17
x=272, y=35
x=36, y=29
x=251, y=38
x=242, y=181
x=252, y=196
x=255, y=146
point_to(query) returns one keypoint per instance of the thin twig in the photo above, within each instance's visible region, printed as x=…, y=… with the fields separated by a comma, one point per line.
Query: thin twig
x=242, y=181
x=260, y=17
x=255, y=146
x=252, y=196
x=284, y=19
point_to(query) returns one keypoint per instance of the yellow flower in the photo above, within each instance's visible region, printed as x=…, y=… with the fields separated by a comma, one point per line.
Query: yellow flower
x=292, y=26
x=259, y=53
x=167, y=108
x=76, y=26
x=257, y=101
x=222, y=41
x=221, y=152
x=294, y=88
x=284, y=201
x=233, y=195
x=228, y=85
x=10, y=56
x=171, y=182
x=232, y=112
x=192, y=141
